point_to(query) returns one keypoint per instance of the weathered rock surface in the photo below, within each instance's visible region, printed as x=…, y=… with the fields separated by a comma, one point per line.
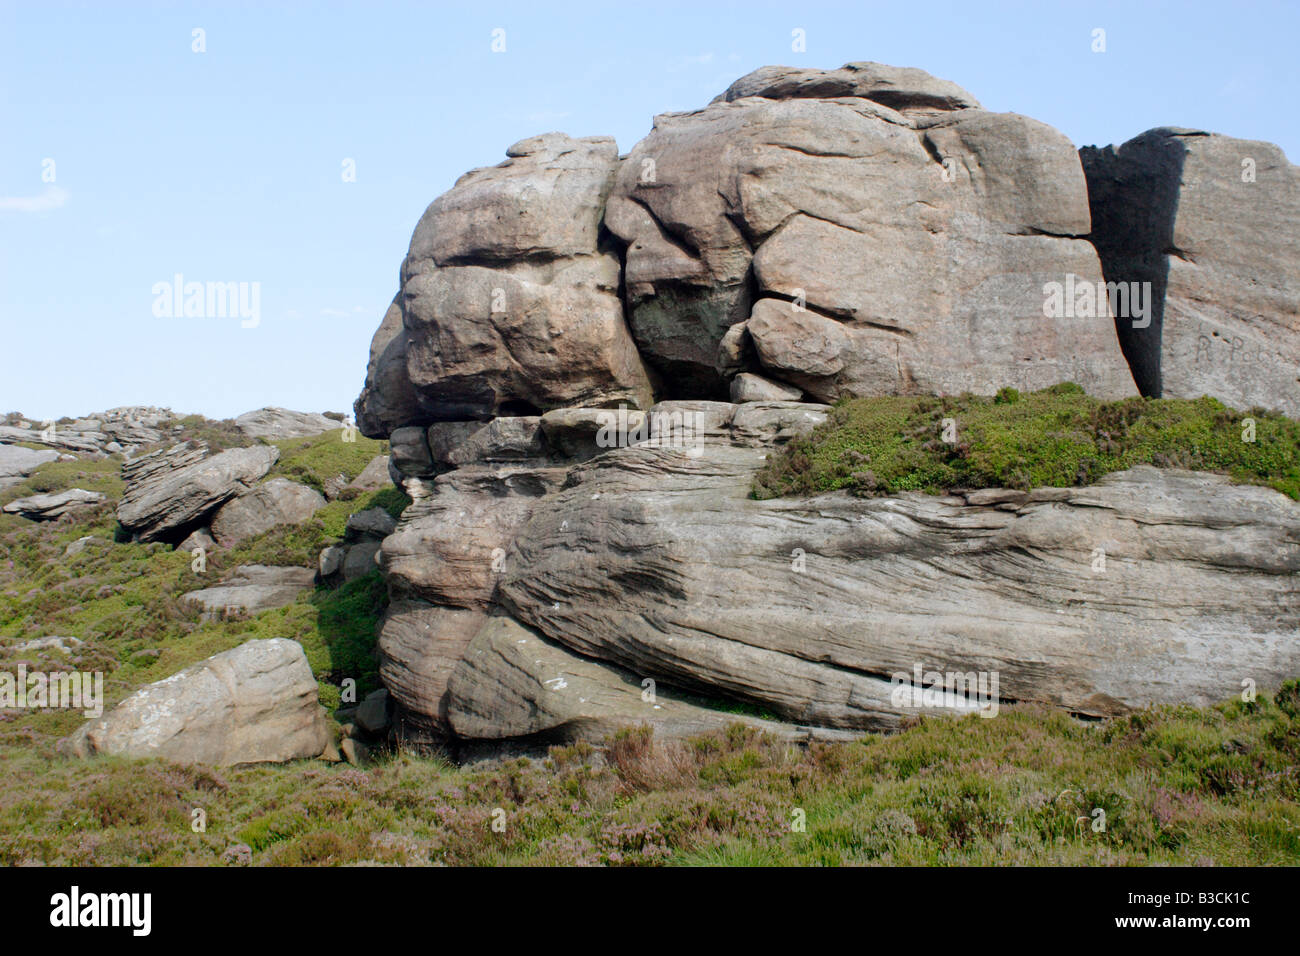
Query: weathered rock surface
x=169, y=490
x=52, y=506
x=263, y=507
x=1213, y=224
x=254, y=704
x=252, y=588
x=374, y=476
x=511, y=683
x=663, y=559
x=509, y=299
x=272, y=422
x=17, y=462
x=914, y=245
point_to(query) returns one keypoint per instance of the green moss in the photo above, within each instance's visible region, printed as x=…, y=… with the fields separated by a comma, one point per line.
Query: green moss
x=1057, y=437
x=316, y=459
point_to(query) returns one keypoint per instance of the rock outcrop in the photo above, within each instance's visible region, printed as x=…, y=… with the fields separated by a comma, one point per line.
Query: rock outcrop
x=254, y=704
x=870, y=250
x=567, y=568
x=53, y=506
x=170, y=490
x=510, y=297
x=273, y=422
x=1210, y=225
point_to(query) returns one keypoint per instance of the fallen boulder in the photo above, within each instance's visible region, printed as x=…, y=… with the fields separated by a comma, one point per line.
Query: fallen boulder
x=252, y=588
x=263, y=507
x=254, y=704
x=52, y=506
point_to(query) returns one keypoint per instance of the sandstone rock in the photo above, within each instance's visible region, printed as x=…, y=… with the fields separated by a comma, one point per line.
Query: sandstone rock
x=373, y=523
x=509, y=297
x=354, y=752
x=502, y=439
x=667, y=568
x=331, y=560
x=16, y=463
x=52, y=506
x=419, y=645
x=252, y=588
x=63, y=644
x=274, y=422
x=511, y=683
x=170, y=490
x=372, y=715
x=263, y=507
x=360, y=559
x=901, y=88
x=374, y=476
x=766, y=424
x=256, y=703
x=199, y=539
x=583, y=432
x=748, y=387
x=81, y=544
x=1220, y=248
x=927, y=235
x=410, y=452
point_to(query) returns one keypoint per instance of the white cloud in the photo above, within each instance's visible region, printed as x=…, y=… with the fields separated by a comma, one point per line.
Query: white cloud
x=52, y=198
x=334, y=313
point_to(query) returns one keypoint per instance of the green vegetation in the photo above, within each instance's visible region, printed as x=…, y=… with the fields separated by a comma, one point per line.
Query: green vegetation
x=1056, y=437
x=316, y=459
x=123, y=599
x=1177, y=785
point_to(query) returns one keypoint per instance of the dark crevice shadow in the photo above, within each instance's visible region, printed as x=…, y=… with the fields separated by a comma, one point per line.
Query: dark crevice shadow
x=1133, y=197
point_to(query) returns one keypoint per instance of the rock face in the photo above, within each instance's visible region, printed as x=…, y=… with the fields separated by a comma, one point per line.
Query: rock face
x=1212, y=224
x=252, y=588
x=170, y=490
x=254, y=704
x=52, y=506
x=567, y=568
x=275, y=502
x=272, y=422
x=510, y=297
x=877, y=212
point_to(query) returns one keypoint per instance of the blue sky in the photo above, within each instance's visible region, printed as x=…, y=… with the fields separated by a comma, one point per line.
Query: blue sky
x=227, y=165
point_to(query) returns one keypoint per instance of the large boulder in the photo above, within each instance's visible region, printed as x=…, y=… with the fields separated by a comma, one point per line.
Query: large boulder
x=510, y=297
x=171, y=490
x=272, y=422
x=254, y=704
x=275, y=502
x=879, y=211
x=1211, y=226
